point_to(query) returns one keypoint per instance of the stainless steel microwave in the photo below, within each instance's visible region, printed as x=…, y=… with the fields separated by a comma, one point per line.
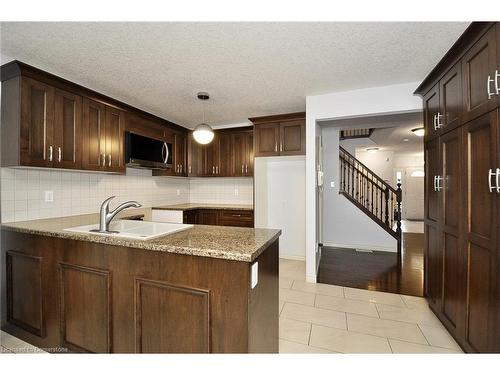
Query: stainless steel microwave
x=146, y=152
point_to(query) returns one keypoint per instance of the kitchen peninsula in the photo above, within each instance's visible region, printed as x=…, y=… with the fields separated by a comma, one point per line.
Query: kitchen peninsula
x=207, y=289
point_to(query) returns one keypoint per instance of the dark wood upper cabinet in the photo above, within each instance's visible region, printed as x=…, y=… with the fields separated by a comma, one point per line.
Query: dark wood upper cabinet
x=194, y=157
x=242, y=153
x=225, y=166
x=478, y=70
x=180, y=146
x=431, y=110
x=102, y=133
x=280, y=135
x=68, y=129
x=450, y=95
x=211, y=158
x=93, y=135
x=267, y=139
x=37, y=124
x=292, y=138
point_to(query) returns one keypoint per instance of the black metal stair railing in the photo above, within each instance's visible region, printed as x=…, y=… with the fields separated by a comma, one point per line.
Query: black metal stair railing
x=371, y=194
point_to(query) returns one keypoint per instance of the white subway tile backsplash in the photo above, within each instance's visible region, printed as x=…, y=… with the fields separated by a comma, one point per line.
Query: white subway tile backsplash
x=23, y=191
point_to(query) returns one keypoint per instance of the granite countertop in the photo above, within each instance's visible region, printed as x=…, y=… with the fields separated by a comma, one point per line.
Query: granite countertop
x=197, y=206
x=240, y=244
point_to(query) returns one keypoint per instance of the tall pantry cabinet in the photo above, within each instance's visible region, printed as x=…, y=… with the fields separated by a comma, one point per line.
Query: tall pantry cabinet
x=461, y=98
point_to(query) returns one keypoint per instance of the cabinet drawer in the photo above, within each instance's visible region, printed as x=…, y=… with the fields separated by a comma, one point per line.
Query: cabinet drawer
x=236, y=218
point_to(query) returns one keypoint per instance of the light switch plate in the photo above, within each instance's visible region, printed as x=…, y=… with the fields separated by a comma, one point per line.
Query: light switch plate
x=254, y=275
x=49, y=196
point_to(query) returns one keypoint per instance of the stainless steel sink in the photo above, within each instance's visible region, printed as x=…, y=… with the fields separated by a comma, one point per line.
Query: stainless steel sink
x=137, y=230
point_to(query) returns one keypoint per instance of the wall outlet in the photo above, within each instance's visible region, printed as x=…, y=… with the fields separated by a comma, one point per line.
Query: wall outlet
x=236, y=192
x=332, y=184
x=178, y=192
x=49, y=196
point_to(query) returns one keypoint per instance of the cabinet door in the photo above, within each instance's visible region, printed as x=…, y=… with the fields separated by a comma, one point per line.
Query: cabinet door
x=207, y=217
x=431, y=110
x=180, y=154
x=433, y=254
x=478, y=64
x=454, y=257
x=114, y=140
x=481, y=228
x=37, y=124
x=249, y=154
x=450, y=94
x=211, y=157
x=93, y=135
x=267, y=139
x=239, y=145
x=293, y=138
x=225, y=167
x=194, y=157
x=68, y=130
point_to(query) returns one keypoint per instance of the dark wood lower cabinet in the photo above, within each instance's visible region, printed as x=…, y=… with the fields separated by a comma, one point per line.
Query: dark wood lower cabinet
x=229, y=218
x=89, y=297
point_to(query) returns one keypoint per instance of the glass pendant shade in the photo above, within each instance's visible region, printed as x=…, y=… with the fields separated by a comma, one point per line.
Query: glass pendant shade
x=203, y=134
x=419, y=132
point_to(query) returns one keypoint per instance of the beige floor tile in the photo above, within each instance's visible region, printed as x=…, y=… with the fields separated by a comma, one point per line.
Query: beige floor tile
x=408, y=347
x=328, y=290
x=385, y=328
x=418, y=316
x=439, y=336
x=413, y=302
x=314, y=315
x=292, y=269
x=294, y=347
x=293, y=330
x=282, y=303
x=346, y=305
x=339, y=340
x=285, y=283
x=374, y=296
x=294, y=296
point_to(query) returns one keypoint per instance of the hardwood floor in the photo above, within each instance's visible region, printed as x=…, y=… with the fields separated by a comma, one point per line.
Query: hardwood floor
x=377, y=270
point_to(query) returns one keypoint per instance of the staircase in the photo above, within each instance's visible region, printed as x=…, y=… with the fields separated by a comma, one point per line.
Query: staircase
x=372, y=195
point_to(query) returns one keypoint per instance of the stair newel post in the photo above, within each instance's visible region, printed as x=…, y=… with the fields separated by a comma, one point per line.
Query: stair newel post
x=399, y=199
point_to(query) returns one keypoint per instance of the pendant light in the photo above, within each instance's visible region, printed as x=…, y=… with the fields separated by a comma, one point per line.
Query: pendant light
x=419, y=132
x=203, y=133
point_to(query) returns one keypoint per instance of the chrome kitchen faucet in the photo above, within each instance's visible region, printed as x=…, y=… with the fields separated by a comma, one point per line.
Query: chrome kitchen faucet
x=105, y=216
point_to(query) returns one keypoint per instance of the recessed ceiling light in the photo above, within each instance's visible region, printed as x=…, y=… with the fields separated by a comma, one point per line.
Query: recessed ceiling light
x=419, y=132
x=405, y=139
x=372, y=150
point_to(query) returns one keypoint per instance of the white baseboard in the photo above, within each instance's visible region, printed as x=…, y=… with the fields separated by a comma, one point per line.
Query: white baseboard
x=389, y=249
x=311, y=278
x=292, y=256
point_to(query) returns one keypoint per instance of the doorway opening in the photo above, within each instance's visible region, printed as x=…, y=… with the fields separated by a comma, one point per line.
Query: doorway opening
x=360, y=225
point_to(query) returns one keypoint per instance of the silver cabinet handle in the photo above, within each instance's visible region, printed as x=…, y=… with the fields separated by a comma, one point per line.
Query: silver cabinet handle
x=498, y=180
x=435, y=186
x=490, y=175
x=276, y=147
x=50, y=153
x=497, y=85
x=217, y=170
x=59, y=154
x=241, y=168
x=109, y=160
x=213, y=169
x=164, y=158
x=434, y=122
x=189, y=168
x=437, y=123
x=246, y=168
x=281, y=147
x=488, y=81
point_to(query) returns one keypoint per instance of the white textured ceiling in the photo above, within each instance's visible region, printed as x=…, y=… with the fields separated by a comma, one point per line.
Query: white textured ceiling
x=250, y=69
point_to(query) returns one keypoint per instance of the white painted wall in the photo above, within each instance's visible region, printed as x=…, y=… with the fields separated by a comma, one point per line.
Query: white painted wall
x=344, y=225
x=279, y=201
x=365, y=102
